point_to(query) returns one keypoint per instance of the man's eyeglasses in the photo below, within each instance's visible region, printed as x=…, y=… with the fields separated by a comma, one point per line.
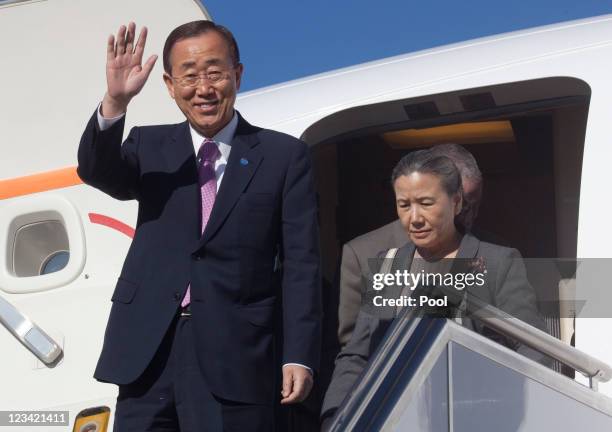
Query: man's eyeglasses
x=194, y=80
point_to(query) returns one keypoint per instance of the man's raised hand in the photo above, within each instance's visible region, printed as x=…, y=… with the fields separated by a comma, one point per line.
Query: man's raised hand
x=125, y=73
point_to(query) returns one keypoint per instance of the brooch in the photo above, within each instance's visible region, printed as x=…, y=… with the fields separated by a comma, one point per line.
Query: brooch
x=477, y=265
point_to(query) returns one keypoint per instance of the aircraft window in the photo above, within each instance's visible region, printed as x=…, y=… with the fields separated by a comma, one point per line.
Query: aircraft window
x=43, y=245
x=40, y=248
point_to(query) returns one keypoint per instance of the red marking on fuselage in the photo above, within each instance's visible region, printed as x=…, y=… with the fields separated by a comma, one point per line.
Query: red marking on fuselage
x=112, y=223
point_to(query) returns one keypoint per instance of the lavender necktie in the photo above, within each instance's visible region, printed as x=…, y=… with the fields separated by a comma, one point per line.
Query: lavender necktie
x=207, y=155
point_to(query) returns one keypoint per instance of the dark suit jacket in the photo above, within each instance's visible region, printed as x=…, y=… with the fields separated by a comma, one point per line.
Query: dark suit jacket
x=506, y=288
x=264, y=208
x=357, y=257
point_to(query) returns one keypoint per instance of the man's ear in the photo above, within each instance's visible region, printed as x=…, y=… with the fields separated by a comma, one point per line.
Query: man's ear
x=458, y=203
x=238, y=70
x=169, y=84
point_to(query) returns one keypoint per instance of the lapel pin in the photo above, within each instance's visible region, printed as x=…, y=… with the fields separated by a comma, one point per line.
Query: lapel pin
x=244, y=162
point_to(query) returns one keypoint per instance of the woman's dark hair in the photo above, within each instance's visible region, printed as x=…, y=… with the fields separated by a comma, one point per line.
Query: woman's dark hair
x=194, y=29
x=427, y=162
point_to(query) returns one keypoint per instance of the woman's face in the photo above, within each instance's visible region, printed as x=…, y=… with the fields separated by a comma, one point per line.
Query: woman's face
x=426, y=211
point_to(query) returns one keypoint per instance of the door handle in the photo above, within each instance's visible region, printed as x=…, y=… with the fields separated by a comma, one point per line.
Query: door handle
x=30, y=335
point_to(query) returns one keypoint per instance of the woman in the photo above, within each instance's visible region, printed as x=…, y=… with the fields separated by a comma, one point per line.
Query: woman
x=428, y=196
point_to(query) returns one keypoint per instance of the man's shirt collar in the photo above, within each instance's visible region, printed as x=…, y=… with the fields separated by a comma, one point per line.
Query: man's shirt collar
x=223, y=138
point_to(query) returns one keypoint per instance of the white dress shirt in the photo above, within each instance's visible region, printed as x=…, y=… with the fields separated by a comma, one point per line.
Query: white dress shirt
x=223, y=140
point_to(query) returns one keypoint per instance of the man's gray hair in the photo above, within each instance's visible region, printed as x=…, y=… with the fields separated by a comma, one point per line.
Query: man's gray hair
x=463, y=159
x=469, y=171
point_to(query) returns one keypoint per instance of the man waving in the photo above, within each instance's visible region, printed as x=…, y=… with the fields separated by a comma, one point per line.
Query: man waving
x=220, y=287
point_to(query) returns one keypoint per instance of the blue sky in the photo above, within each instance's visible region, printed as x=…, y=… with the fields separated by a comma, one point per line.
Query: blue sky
x=283, y=40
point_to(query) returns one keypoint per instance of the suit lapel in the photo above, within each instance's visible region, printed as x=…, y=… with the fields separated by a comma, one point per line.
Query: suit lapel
x=181, y=164
x=179, y=154
x=466, y=261
x=468, y=248
x=243, y=161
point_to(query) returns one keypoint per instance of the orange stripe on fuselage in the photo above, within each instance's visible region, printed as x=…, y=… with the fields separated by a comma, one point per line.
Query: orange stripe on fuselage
x=42, y=182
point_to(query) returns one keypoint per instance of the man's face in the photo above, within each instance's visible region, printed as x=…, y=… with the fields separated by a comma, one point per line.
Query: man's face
x=207, y=106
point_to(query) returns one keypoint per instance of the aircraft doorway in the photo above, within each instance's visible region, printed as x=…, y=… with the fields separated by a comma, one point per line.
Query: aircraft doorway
x=527, y=138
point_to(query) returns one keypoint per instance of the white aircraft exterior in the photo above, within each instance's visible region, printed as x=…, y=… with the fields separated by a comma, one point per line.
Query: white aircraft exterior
x=557, y=77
